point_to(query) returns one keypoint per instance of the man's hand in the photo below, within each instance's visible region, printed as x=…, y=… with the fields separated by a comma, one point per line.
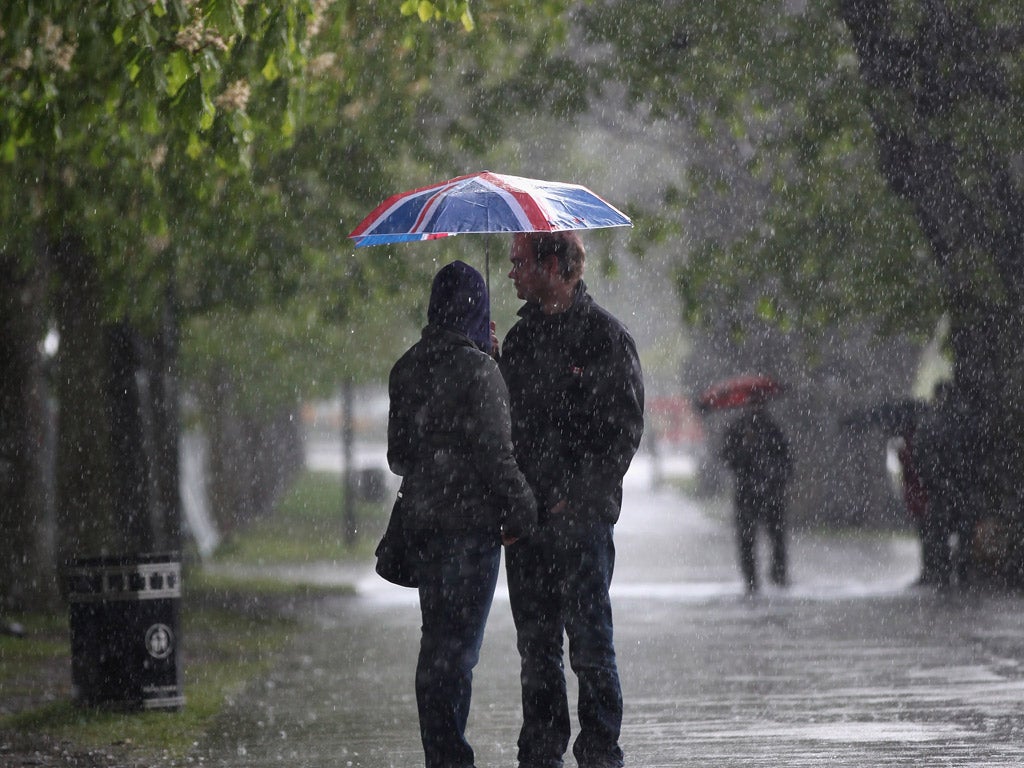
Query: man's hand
x=560, y=507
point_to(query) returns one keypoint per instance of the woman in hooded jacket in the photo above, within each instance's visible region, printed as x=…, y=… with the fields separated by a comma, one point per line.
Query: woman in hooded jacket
x=449, y=437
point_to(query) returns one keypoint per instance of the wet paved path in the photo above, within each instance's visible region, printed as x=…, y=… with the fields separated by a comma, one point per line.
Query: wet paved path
x=848, y=667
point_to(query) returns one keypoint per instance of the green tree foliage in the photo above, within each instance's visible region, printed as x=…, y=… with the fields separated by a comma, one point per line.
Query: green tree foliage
x=388, y=103
x=100, y=100
x=202, y=161
x=101, y=106
x=228, y=147
x=775, y=88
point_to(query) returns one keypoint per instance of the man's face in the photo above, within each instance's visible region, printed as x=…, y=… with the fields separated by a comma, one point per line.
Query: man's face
x=527, y=275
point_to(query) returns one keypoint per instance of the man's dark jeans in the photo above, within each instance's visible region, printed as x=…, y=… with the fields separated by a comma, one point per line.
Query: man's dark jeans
x=558, y=582
x=458, y=574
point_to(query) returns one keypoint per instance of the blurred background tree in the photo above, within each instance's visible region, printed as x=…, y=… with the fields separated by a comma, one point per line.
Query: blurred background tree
x=105, y=107
x=874, y=166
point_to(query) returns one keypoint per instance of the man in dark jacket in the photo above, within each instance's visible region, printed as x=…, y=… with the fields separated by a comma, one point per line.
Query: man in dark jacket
x=577, y=417
x=449, y=436
x=757, y=451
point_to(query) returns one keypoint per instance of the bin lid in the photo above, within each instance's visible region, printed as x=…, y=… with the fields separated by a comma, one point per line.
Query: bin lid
x=122, y=560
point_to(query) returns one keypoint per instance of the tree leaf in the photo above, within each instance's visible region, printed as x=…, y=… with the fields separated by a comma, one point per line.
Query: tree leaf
x=270, y=71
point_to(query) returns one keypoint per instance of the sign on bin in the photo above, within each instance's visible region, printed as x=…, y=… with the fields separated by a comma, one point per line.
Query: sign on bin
x=125, y=631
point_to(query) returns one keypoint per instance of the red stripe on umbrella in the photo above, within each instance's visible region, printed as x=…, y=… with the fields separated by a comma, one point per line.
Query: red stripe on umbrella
x=429, y=207
x=385, y=207
x=537, y=216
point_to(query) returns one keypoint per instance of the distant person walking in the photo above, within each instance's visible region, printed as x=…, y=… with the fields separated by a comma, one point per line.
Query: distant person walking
x=943, y=443
x=577, y=418
x=757, y=451
x=915, y=499
x=450, y=438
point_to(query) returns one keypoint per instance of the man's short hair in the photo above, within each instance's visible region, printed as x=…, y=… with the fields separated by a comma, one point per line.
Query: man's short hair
x=567, y=247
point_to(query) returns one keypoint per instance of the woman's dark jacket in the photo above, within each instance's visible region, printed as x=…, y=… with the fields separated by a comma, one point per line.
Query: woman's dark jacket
x=449, y=437
x=577, y=405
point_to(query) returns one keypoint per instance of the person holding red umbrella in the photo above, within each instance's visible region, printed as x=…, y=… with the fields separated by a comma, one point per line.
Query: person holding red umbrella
x=757, y=451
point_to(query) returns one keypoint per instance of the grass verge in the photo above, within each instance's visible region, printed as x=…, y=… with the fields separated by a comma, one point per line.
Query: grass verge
x=308, y=527
x=225, y=645
x=233, y=628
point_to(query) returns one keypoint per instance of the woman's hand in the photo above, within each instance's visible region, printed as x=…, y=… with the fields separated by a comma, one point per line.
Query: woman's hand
x=495, y=345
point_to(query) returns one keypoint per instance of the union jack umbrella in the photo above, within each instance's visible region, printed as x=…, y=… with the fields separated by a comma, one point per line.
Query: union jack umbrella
x=485, y=202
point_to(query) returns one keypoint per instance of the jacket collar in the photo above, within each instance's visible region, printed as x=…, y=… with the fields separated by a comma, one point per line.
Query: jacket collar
x=580, y=300
x=436, y=336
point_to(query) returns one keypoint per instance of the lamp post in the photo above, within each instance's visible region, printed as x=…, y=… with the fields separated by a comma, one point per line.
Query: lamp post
x=348, y=476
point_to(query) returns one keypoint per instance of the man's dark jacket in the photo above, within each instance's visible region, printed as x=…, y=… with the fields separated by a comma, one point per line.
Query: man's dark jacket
x=449, y=436
x=577, y=405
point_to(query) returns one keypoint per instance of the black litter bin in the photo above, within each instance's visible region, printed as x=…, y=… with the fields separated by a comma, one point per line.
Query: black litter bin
x=126, y=631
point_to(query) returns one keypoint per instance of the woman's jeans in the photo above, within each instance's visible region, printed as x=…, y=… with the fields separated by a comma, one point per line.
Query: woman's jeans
x=558, y=582
x=457, y=574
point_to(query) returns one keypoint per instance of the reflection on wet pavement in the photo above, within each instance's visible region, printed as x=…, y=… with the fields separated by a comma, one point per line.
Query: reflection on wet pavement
x=849, y=667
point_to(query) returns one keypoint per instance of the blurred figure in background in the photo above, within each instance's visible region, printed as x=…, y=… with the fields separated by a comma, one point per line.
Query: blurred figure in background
x=944, y=441
x=915, y=499
x=757, y=451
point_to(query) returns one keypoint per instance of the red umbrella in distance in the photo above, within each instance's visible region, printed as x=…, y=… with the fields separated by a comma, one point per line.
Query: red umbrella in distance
x=739, y=391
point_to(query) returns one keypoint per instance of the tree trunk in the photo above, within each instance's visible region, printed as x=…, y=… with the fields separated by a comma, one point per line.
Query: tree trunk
x=131, y=438
x=166, y=427
x=974, y=227
x=988, y=392
x=26, y=576
x=228, y=489
x=117, y=457
x=87, y=522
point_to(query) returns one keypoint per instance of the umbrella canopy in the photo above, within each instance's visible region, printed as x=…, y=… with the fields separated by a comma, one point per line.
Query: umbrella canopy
x=893, y=417
x=738, y=392
x=485, y=202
